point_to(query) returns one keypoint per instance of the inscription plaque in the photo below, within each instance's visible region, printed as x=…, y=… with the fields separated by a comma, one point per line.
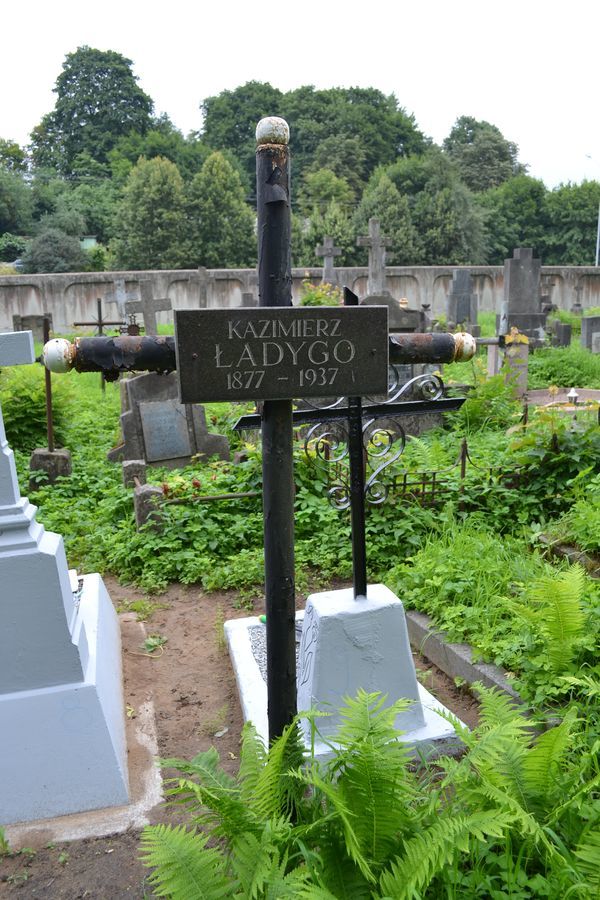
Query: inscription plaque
x=165, y=429
x=274, y=353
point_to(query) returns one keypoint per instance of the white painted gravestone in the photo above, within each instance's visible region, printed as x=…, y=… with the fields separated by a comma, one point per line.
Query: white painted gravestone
x=62, y=730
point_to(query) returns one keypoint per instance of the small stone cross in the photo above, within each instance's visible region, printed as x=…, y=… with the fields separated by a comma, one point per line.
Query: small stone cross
x=376, y=242
x=328, y=252
x=16, y=349
x=148, y=306
x=120, y=296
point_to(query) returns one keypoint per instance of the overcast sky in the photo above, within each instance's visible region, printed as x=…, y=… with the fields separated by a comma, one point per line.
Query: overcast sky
x=528, y=66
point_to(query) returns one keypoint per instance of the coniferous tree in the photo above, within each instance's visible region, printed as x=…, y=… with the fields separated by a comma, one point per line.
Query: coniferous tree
x=221, y=224
x=151, y=222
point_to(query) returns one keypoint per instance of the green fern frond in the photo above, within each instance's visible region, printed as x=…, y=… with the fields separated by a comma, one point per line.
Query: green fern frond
x=213, y=797
x=253, y=757
x=588, y=854
x=276, y=791
x=497, y=708
x=257, y=860
x=184, y=868
x=427, y=853
x=339, y=877
x=367, y=716
x=334, y=802
x=561, y=614
x=543, y=761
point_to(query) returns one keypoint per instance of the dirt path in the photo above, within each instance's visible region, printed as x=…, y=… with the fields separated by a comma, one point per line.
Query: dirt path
x=191, y=684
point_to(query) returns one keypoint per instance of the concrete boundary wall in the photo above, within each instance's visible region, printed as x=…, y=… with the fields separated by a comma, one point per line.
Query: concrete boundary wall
x=72, y=297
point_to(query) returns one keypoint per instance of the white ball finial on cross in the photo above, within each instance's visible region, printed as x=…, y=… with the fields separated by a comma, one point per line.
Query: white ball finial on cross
x=272, y=130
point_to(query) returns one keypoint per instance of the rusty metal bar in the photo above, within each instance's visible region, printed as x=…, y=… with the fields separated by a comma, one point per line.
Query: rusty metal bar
x=48, y=385
x=156, y=353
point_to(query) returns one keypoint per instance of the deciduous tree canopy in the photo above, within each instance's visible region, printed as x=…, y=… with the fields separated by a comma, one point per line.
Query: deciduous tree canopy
x=98, y=101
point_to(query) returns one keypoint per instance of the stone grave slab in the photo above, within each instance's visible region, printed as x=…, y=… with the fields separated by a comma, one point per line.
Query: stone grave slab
x=426, y=732
x=165, y=430
x=590, y=333
x=159, y=430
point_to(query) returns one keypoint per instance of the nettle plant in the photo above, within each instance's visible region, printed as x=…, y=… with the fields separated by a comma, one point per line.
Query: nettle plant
x=515, y=817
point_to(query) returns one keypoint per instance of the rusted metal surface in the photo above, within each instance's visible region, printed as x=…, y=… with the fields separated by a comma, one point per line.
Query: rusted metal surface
x=48, y=385
x=126, y=353
x=156, y=353
x=430, y=347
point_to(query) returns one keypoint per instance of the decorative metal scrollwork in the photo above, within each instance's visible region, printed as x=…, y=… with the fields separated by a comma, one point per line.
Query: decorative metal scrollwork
x=384, y=439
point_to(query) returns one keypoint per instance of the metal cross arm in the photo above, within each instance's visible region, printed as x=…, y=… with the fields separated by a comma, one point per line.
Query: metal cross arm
x=156, y=353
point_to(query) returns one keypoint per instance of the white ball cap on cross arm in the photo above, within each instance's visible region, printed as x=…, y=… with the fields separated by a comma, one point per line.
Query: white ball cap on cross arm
x=57, y=355
x=272, y=130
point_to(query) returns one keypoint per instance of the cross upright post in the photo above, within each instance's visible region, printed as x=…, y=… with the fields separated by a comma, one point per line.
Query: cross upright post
x=275, y=289
x=148, y=306
x=376, y=244
x=328, y=252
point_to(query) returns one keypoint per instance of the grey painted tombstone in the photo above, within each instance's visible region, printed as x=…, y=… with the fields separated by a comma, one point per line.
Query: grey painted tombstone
x=61, y=706
x=461, y=306
x=521, y=307
x=590, y=333
x=376, y=244
x=160, y=430
x=148, y=306
x=328, y=252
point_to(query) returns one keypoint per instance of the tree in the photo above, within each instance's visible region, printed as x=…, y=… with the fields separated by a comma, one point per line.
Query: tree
x=321, y=187
x=383, y=201
x=54, y=251
x=161, y=139
x=151, y=221
x=98, y=101
x=515, y=216
x=346, y=158
x=231, y=117
x=572, y=220
x=308, y=233
x=12, y=157
x=483, y=156
x=222, y=224
x=96, y=203
x=15, y=203
x=448, y=222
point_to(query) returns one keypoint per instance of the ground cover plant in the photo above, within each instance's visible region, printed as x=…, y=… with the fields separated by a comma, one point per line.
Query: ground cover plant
x=471, y=562
x=515, y=817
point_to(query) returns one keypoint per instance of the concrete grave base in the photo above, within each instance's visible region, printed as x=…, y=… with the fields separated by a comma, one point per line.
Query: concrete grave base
x=63, y=747
x=345, y=647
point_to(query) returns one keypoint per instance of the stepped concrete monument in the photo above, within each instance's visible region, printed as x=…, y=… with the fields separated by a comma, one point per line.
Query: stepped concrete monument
x=62, y=724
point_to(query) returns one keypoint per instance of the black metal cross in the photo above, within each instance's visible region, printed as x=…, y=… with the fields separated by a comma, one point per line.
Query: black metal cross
x=353, y=415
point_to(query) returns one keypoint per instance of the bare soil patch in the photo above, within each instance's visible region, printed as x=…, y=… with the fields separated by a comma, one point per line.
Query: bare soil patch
x=192, y=686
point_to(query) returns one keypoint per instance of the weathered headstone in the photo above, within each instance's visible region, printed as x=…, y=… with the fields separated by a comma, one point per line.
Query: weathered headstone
x=401, y=320
x=148, y=306
x=62, y=748
x=461, y=306
x=35, y=324
x=158, y=429
x=521, y=307
x=561, y=333
x=590, y=333
x=328, y=252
